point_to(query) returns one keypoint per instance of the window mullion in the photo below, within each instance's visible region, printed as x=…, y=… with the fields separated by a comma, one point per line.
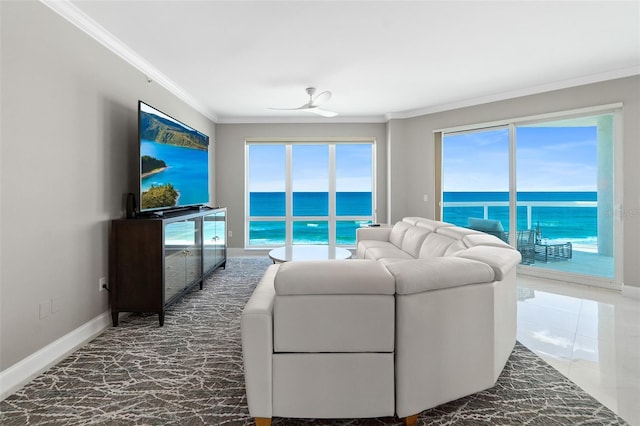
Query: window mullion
x=513, y=190
x=289, y=194
x=332, y=194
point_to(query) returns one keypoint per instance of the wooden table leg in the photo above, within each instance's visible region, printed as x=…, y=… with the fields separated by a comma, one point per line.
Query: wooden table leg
x=410, y=420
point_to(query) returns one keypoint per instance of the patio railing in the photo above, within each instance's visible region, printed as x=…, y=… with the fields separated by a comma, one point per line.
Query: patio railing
x=528, y=204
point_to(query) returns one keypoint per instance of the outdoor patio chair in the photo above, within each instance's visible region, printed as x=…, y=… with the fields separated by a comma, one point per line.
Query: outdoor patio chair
x=525, y=238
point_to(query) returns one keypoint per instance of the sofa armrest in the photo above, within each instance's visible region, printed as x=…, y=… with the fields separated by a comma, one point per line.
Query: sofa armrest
x=421, y=275
x=256, y=326
x=379, y=233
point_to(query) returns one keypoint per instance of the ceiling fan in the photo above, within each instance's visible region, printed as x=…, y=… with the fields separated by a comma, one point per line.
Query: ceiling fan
x=313, y=105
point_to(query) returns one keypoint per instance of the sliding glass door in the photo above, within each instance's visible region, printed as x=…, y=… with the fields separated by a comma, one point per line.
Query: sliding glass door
x=565, y=193
x=561, y=174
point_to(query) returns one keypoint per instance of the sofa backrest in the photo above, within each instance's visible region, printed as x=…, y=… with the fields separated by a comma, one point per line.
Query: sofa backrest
x=397, y=233
x=424, y=238
x=436, y=245
x=457, y=232
x=413, y=239
x=428, y=224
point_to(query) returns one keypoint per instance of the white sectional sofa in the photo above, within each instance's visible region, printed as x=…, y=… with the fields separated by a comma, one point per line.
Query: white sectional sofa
x=426, y=314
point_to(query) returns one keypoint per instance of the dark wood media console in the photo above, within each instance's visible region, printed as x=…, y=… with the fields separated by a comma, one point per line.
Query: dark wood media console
x=154, y=261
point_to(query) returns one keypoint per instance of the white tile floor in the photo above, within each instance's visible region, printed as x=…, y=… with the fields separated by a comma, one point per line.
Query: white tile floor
x=590, y=335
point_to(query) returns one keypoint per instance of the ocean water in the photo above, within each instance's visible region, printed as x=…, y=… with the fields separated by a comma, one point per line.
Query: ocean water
x=187, y=170
x=270, y=204
x=569, y=223
x=310, y=203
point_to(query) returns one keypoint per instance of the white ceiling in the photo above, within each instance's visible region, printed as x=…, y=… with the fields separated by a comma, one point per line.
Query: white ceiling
x=232, y=60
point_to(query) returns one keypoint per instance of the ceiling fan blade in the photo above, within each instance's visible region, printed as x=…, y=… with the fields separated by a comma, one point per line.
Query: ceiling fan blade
x=305, y=106
x=321, y=98
x=323, y=112
x=312, y=105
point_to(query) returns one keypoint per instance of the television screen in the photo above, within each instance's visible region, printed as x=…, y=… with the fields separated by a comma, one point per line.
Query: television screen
x=174, y=162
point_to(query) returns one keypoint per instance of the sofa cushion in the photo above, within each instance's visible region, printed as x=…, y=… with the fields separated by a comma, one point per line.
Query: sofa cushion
x=388, y=260
x=413, y=240
x=419, y=275
x=391, y=251
x=352, y=276
x=364, y=245
x=397, y=233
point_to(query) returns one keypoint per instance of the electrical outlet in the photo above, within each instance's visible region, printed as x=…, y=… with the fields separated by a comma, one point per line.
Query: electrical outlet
x=230, y=234
x=101, y=283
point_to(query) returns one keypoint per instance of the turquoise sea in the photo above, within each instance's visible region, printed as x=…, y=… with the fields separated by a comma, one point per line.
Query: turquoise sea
x=571, y=222
x=270, y=204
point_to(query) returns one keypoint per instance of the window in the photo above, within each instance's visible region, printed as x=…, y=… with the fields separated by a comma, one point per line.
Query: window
x=308, y=192
x=553, y=179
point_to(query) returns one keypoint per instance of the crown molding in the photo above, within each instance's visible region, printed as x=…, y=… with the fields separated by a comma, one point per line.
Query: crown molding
x=71, y=13
x=303, y=120
x=563, y=84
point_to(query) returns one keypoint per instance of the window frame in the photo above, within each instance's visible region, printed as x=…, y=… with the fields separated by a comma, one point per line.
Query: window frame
x=332, y=218
x=615, y=109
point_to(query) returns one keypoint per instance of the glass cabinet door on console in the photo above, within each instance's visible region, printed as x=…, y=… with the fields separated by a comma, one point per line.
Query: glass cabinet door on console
x=213, y=240
x=183, y=255
x=221, y=241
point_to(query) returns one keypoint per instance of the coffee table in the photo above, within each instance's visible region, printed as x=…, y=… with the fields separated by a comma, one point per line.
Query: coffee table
x=308, y=252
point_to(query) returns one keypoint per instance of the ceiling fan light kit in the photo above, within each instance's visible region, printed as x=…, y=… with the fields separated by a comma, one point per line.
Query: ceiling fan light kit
x=313, y=105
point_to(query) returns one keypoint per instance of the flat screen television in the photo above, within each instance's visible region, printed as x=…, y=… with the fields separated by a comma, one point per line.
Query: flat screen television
x=174, y=162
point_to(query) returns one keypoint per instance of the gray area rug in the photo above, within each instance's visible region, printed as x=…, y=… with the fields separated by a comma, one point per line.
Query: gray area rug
x=190, y=372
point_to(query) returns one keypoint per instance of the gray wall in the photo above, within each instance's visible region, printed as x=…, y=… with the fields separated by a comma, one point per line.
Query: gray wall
x=411, y=150
x=230, y=151
x=68, y=156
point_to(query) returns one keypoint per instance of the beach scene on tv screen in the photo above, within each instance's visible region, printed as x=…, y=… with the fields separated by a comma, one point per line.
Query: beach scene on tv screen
x=173, y=160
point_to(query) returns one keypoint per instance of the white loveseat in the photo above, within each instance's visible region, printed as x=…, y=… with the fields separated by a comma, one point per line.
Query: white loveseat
x=426, y=314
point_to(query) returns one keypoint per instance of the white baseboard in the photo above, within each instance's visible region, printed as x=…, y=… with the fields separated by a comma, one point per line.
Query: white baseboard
x=630, y=291
x=239, y=252
x=22, y=372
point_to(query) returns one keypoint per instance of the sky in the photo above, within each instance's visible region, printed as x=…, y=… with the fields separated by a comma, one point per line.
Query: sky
x=310, y=168
x=559, y=158
x=547, y=159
